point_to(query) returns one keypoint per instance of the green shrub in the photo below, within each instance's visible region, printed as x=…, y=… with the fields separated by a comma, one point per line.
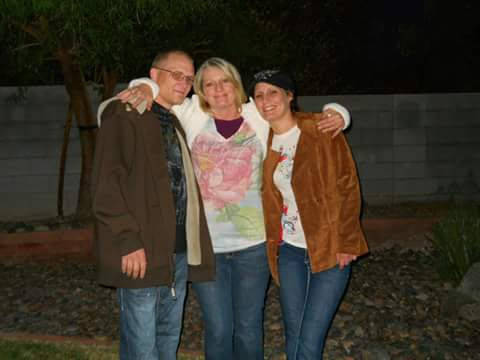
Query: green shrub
x=456, y=241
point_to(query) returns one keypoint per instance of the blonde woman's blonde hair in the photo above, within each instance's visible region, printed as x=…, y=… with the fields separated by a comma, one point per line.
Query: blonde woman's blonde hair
x=232, y=74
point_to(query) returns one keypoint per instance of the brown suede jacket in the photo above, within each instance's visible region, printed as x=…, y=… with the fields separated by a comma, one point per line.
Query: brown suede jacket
x=327, y=192
x=133, y=202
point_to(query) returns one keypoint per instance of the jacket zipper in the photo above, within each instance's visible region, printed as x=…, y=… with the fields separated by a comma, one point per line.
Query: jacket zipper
x=172, y=287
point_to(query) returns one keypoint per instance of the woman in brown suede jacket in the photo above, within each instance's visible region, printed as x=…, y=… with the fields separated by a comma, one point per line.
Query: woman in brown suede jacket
x=311, y=201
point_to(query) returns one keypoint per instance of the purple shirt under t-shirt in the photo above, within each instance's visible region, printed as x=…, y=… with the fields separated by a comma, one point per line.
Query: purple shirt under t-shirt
x=227, y=128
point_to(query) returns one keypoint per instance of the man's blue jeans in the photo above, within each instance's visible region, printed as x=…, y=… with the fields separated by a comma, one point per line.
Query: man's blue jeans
x=151, y=318
x=233, y=305
x=308, y=301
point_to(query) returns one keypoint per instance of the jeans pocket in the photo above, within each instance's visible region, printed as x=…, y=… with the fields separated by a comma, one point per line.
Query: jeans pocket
x=135, y=297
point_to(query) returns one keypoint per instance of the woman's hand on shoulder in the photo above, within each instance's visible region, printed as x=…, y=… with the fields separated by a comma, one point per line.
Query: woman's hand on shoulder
x=136, y=96
x=331, y=121
x=345, y=259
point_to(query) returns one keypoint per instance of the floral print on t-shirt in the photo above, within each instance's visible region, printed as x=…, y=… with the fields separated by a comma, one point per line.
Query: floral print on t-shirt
x=228, y=173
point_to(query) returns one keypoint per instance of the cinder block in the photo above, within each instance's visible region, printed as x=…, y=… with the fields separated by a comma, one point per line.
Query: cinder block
x=354, y=137
x=467, y=117
x=408, y=119
x=364, y=118
x=311, y=103
x=402, y=187
x=421, y=187
x=44, y=166
x=376, y=136
x=385, y=119
x=43, y=205
x=14, y=205
x=12, y=132
x=351, y=102
x=369, y=137
x=453, y=135
x=368, y=171
x=459, y=186
x=399, y=199
x=465, y=100
x=409, y=153
x=12, y=114
x=14, y=167
x=451, y=100
x=42, y=95
x=377, y=187
x=438, y=118
x=452, y=118
x=450, y=152
x=409, y=102
x=440, y=101
x=372, y=119
x=377, y=199
x=25, y=184
x=372, y=154
x=54, y=112
x=44, y=131
x=452, y=169
x=409, y=136
x=409, y=170
x=46, y=113
x=27, y=131
x=20, y=149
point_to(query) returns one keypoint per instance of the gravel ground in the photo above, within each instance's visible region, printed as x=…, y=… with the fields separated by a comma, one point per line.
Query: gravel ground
x=392, y=309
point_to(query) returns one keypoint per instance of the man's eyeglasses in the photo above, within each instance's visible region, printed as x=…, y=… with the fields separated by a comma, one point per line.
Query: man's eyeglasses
x=178, y=75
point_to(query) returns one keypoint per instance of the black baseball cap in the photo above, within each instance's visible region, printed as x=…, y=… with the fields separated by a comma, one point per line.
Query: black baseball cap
x=273, y=77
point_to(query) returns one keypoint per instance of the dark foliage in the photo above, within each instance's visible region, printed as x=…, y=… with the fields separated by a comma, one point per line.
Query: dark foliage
x=331, y=46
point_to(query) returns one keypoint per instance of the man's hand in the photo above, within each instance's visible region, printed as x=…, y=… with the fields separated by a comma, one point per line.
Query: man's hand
x=331, y=121
x=134, y=265
x=345, y=259
x=137, y=95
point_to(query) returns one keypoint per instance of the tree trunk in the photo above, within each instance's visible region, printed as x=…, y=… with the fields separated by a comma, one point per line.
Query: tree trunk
x=110, y=79
x=63, y=160
x=86, y=121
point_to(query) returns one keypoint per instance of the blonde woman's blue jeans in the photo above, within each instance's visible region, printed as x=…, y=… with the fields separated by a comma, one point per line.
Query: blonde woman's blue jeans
x=233, y=305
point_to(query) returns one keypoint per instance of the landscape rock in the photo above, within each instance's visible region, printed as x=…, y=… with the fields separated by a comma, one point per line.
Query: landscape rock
x=453, y=301
x=470, y=284
x=470, y=312
x=375, y=352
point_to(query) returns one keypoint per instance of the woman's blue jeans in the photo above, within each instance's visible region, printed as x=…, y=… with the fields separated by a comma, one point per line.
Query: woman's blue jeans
x=233, y=305
x=308, y=301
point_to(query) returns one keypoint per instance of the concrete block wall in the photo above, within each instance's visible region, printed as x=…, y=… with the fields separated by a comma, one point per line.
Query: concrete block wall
x=413, y=147
x=407, y=147
x=31, y=134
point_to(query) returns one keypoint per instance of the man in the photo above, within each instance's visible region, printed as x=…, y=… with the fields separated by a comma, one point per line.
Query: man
x=151, y=232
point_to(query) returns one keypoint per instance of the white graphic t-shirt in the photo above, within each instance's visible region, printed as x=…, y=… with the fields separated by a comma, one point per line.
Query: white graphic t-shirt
x=286, y=145
x=229, y=175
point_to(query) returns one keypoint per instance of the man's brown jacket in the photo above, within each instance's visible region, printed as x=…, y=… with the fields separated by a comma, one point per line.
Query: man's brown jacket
x=134, y=206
